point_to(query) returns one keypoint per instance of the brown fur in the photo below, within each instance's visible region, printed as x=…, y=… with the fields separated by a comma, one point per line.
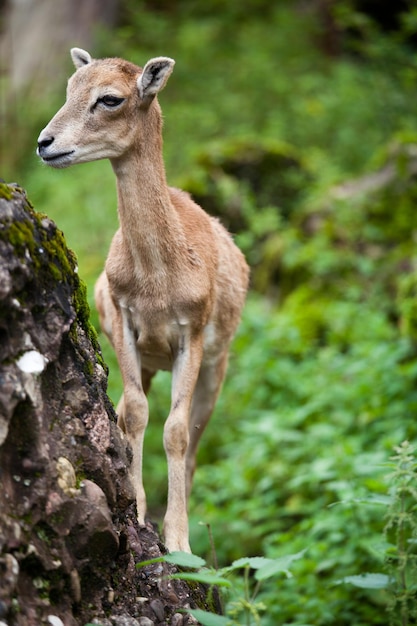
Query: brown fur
x=174, y=283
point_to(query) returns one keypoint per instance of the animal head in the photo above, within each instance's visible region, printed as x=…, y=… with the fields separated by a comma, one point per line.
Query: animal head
x=109, y=101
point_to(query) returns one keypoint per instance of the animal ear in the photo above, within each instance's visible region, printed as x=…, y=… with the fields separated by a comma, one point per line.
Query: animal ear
x=154, y=77
x=80, y=57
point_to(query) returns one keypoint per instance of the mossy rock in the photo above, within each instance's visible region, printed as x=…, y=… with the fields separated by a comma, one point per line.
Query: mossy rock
x=38, y=244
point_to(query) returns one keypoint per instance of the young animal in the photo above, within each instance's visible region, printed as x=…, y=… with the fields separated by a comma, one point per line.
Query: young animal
x=174, y=283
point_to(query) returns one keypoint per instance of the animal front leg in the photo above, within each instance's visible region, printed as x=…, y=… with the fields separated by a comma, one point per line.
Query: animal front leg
x=176, y=439
x=146, y=384
x=133, y=407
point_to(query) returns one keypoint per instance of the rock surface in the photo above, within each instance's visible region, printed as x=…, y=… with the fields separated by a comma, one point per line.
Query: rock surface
x=69, y=540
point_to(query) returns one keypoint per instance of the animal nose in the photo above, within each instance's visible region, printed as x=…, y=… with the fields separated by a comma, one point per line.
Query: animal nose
x=44, y=143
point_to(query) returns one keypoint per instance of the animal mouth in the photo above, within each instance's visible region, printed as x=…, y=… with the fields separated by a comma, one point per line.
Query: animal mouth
x=56, y=157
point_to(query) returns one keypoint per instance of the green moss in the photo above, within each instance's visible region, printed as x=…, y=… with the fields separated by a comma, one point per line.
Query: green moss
x=55, y=271
x=80, y=476
x=20, y=235
x=82, y=309
x=6, y=191
x=89, y=368
x=52, y=261
x=43, y=587
x=56, y=247
x=79, y=299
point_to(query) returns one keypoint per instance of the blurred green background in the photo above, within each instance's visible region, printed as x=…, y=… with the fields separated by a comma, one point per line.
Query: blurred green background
x=294, y=122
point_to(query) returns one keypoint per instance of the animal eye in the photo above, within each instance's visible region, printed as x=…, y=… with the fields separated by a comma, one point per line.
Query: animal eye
x=110, y=101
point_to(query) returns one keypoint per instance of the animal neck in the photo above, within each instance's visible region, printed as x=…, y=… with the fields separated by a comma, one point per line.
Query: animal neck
x=149, y=223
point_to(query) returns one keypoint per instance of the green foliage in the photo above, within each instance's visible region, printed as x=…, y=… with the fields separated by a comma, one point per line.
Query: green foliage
x=401, y=535
x=242, y=591
x=319, y=420
x=310, y=159
x=394, y=592
x=400, y=540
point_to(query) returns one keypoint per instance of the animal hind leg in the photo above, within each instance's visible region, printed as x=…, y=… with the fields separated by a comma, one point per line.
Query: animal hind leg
x=206, y=392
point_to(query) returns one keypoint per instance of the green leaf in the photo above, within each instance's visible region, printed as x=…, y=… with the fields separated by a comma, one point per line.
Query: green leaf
x=184, y=559
x=254, y=562
x=378, y=498
x=206, y=578
x=277, y=566
x=181, y=559
x=209, y=619
x=265, y=567
x=368, y=581
x=372, y=498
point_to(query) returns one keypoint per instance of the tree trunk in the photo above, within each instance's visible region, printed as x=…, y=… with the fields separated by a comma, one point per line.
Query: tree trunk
x=37, y=35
